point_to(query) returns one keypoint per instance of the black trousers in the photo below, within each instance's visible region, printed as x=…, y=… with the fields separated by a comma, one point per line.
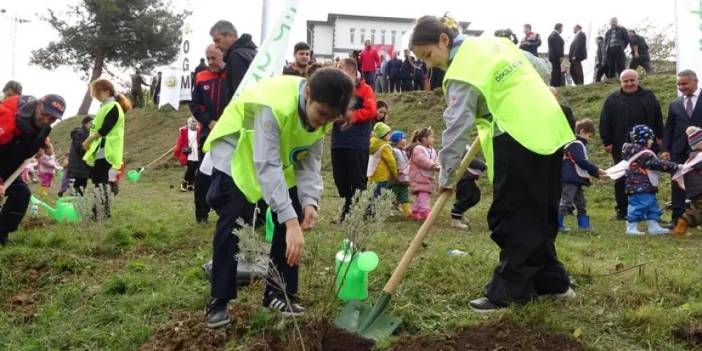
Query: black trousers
x=231, y=204
x=619, y=185
x=601, y=71
x=190, y=169
x=467, y=196
x=576, y=71
x=202, y=185
x=100, y=176
x=523, y=220
x=13, y=210
x=644, y=62
x=349, y=168
x=678, y=194
x=79, y=185
x=407, y=84
x=616, y=61
x=556, y=75
x=395, y=85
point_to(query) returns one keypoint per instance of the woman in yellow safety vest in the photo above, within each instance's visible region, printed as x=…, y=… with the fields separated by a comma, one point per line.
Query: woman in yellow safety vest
x=491, y=83
x=268, y=145
x=105, y=145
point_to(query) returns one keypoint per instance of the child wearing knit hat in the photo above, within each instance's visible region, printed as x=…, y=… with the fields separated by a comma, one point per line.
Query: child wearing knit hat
x=642, y=179
x=400, y=186
x=690, y=179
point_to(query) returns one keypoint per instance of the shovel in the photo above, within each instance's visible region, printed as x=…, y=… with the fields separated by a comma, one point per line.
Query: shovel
x=373, y=322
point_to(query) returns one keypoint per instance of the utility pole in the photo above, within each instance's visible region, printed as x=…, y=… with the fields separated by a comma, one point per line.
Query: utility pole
x=14, y=22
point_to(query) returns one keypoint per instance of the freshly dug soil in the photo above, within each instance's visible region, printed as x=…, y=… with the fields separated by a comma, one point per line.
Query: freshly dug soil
x=498, y=336
x=691, y=333
x=323, y=336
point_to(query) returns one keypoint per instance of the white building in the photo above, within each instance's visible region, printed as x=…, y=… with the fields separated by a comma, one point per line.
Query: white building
x=341, y=34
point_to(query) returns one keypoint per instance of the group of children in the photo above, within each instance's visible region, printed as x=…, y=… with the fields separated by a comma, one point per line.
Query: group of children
x=408, y=168
x=42, y=169
x=641, y=168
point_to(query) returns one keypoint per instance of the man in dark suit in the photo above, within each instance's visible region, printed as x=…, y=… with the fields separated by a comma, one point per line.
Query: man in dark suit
x=555, y=55
x=682, y=113
x=577, y=54
x=616, y=40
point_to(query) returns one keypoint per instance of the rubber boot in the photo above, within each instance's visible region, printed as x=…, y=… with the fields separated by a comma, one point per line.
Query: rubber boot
x=654, y=228
x=561, y=226
x=631, y=229
x=584, y=222
x=406, y=209
x=680, y=227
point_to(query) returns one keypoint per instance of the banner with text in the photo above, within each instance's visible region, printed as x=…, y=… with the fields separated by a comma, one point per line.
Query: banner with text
x=688, y=40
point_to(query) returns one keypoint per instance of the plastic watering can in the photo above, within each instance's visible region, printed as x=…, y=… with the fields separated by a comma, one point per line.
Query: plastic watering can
x=65, y=210
x=352, y=270
x=270, y=226
x=134, y=175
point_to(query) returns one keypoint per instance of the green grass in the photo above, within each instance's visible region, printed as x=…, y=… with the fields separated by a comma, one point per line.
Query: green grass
x=111, y=285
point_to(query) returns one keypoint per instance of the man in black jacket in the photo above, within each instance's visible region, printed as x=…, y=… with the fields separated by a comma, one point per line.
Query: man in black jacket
x=25, y=124
x=555, y=55
x=393, y=73
x=629, y=106
x=639, y=52
x=78, y=170
x=238, y=53
x=684, y=112
x=600, y=60
x=577, y=54
x=616, y=40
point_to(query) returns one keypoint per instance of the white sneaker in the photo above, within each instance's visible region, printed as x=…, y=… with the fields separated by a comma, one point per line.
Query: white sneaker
x=457, y=223
x=567, y=295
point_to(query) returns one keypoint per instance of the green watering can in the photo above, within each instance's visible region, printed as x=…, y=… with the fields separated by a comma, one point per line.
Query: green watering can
x=352, y=270
x=65, y=210
x=270, y=226
x=134, y=175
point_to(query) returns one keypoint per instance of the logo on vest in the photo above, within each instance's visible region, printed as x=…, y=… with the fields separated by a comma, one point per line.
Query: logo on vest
x=507, y=71
x=299, y=153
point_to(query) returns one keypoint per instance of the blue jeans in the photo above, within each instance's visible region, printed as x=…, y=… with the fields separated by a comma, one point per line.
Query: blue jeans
x=369, y=77
x=379, y=186
x=643, y=207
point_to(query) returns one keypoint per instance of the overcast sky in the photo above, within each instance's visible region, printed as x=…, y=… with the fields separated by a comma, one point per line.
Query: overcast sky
x=246, y=16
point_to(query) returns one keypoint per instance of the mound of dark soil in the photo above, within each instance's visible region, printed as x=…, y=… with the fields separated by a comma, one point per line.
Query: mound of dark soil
x=498, y=336
x=322, y=336
x=691, y=333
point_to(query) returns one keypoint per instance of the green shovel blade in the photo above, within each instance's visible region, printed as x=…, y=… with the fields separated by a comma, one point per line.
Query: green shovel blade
x=374, y=324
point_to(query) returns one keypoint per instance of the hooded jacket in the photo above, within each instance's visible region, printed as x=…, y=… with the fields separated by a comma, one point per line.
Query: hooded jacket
x=239, y=59
x=19, y=137
x=387, y=167
x=77, y=168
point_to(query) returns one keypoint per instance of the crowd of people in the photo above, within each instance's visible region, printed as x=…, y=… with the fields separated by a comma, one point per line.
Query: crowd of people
x=265, y=150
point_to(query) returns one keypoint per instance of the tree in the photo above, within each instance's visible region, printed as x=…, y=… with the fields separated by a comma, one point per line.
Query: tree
x=138, y=34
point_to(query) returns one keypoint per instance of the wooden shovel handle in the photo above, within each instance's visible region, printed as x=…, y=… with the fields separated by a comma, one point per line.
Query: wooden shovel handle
x=423, y=231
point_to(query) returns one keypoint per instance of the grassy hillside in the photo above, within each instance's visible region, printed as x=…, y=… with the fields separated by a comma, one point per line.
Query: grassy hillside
x=135, y=280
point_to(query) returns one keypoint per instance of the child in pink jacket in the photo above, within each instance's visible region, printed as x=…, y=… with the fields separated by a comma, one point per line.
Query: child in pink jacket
x=423, y=164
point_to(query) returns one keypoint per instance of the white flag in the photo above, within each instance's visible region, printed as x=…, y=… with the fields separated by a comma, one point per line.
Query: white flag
x=271, y=56
x=688, y=39
x=170, y=87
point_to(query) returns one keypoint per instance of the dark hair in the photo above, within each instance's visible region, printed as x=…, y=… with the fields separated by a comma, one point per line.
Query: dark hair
x=558, y=26
x=599, y=37
x=312, y=67
x=527, y=25
x=223, y=27
x=332, y=87
x=506, y=33
x=301, y=46
x=380, y=104
x=351, y=62
x=88, y=118
x=428, y=30
x=105, y=85
x=417, y=137
x=632, y=31
x=585, y=125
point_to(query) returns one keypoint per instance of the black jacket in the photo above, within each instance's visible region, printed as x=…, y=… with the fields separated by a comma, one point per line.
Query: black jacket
x=693, y=182
x=209, y=100
x=621, y=33
x=394, y=67
x=674, y=137
x=616, y=119
x=27, y=143
x=578, y=48
x=77, y=168
x=555, y=47
x=239, y=58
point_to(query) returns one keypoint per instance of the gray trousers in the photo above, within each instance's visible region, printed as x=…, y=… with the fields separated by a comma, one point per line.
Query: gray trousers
x=572, y=196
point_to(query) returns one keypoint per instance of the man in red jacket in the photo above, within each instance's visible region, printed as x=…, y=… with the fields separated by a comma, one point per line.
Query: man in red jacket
x=350, y=142
x=370, y=62
x=25, y=124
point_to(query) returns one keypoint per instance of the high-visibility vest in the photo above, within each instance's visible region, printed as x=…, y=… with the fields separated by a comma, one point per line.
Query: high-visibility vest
x=114, y=140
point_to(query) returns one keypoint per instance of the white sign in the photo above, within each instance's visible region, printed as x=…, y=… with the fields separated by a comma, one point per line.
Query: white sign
x=184, y=65
x=170, y=87
x=271, y=56
x=688, y=39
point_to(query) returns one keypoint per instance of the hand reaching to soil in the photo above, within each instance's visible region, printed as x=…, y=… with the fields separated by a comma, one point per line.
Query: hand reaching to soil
x=310, y=219
x=294, y=241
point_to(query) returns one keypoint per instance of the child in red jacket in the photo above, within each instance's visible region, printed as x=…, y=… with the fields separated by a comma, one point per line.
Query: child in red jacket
x=186, y=152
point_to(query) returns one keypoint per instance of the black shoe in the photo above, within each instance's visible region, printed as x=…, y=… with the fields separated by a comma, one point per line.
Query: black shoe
x=619, y=217
x=483, y=305
x=217, y=313
x=278, y=303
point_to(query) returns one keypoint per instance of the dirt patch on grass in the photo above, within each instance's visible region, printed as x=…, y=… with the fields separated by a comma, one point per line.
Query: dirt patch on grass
x=691, y=333
x=189, y=332
x=320, y=336
x=498, y=336
x=24, y=303
x=33, y=222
